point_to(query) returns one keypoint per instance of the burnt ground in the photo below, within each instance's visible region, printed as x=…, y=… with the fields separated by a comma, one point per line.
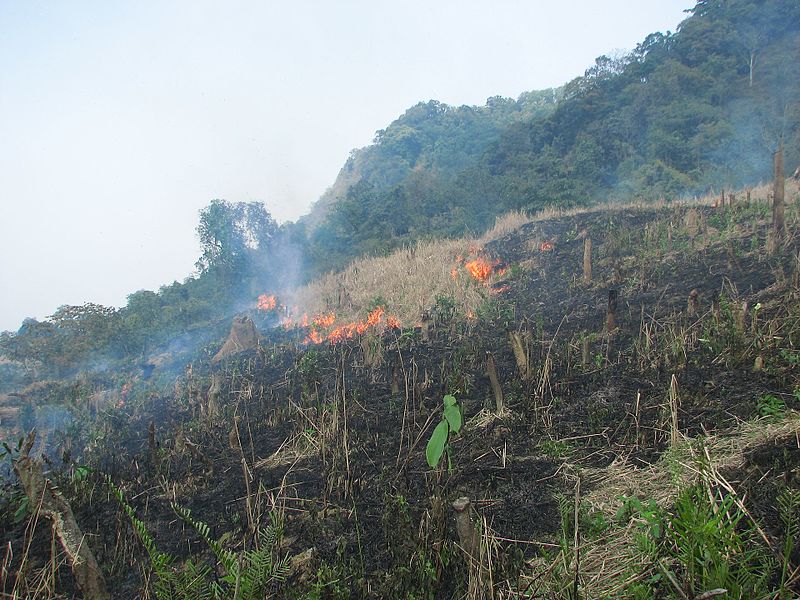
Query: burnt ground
x=333, y=436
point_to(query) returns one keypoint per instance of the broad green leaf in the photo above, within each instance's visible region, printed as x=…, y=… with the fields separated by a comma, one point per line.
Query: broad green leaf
x=436, y=444
x=449, y=400
x=453, y=416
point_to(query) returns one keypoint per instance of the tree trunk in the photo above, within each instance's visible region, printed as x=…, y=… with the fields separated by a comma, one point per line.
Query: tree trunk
x=43, y=495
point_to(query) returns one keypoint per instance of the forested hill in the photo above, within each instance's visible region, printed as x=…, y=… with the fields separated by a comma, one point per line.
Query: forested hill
x=433, y=139
x=682, y=113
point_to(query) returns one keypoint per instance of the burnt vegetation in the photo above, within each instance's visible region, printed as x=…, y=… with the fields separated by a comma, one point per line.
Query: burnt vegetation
x=585, y=402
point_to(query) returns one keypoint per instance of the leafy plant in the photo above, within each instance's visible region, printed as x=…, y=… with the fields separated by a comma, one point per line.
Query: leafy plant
x=770, y=406
x=707, y=539
x=439, y=443
x=248, y=574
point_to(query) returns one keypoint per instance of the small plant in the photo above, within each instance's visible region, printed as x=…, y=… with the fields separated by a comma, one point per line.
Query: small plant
x=440, y=438
x=248, y=574
x=770, y=406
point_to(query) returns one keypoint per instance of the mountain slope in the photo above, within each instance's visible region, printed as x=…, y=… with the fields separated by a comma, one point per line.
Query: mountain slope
x=700, y=108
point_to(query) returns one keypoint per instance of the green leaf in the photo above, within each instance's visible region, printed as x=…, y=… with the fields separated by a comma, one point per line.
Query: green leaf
x=436, y=444
x=449, y=400
x=452, y=415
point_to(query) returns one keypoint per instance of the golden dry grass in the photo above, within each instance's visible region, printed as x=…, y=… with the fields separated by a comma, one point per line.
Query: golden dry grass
x=408, y=281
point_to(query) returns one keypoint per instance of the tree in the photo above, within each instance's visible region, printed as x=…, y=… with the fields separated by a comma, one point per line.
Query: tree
x=229, y=231
x=234, y=238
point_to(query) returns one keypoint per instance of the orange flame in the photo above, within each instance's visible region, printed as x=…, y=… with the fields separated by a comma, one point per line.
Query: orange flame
x=324, y=321
x=375, y=316
x=266, y=302
x=480, y=268
x=314, y=337
x=454, y=273
x=546, y=246
x=393, y=322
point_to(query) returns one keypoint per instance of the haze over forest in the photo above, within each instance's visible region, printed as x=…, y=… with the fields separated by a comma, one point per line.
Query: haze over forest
x=122, y=122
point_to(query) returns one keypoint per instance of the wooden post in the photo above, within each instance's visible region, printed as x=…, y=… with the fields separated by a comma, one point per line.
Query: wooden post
x=43, y=494
x=611, y=312
x=587, y=259
x=491, y=370
x=778, y=222
x=747, y=200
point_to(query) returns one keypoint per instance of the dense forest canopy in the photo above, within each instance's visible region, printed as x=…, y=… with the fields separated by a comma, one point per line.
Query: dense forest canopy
x=681, y=114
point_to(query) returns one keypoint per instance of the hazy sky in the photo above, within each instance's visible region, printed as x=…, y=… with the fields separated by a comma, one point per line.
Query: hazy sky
x=120, y=120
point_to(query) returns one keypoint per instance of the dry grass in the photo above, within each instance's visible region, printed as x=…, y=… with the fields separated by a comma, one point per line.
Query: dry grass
x=408, y=281
x=612, y=562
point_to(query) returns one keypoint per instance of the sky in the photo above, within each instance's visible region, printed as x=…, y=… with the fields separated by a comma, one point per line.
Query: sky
x=120, y=121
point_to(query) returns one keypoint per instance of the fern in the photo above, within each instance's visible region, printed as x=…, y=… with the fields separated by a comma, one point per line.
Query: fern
x=789, y=510
x=248, y=574
x=191, y=581
x=253, y=571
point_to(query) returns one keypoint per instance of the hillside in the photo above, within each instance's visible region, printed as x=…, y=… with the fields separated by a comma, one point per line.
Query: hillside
x=683, y=113
x=599, y=437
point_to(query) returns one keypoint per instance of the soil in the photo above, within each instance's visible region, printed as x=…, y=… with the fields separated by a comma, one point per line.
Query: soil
x=343, y=455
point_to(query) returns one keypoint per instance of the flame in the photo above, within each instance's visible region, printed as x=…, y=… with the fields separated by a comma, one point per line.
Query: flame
x=266, y=302
x=304, y=320
x=324, y=321
x=480, y=268
x=471, y=315
x=546, y=246
x=393, y=322
x=375, y=316
x=454, y=273
x=314, y=337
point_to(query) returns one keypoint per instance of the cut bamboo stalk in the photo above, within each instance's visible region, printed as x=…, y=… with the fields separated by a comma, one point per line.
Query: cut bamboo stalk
x=693, y=303
x=611, y=312
x=520, y=355
x=587, y=259
x=585, y=350
x=778, y=222
x=467, y=534
x=491, y=370
x=673, y=408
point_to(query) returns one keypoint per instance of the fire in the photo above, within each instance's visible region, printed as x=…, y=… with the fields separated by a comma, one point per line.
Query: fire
x=314, y=337
x=546, y=246
x=321, y=326
x=454, y=273
x=480, y=268
x=266, y=302
x=375, y=316
x=324, y=321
